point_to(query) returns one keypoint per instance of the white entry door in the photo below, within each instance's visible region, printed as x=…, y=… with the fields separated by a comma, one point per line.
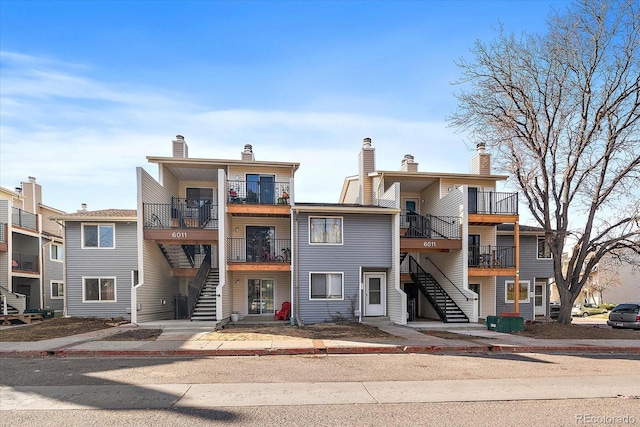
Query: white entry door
x=374, y=294
x=540, y=297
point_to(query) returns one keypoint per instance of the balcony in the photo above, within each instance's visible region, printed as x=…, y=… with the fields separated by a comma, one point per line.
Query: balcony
x=24, y=262
x=243, y=254
x=24, y=219
x=258, y=192
x=182, y=221
x=488, y=260
x=490, y=207
x=429, y=232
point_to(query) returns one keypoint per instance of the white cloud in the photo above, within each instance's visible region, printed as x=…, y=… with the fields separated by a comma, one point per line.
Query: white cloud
x=83, y=138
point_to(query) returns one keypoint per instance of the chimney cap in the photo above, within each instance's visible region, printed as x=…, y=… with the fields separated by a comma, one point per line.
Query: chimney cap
x=366, y=142
x=248, y=148
x=180, y=137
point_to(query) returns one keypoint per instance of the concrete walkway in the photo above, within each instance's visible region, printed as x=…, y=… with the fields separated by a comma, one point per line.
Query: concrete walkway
x=164, y=396
x=189, y=339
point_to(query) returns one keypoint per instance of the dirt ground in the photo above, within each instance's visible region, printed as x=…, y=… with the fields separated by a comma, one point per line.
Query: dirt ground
x=62, y=327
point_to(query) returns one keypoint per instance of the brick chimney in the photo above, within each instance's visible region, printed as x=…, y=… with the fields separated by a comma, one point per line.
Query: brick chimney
x=180, y=148
x=481, y=162
x=408, y=165
x=247, y=153
x=367, y=164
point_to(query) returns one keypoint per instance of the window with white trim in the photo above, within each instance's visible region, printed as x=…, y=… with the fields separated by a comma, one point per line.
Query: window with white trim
x=98, y=236
x=325, y=230
x=544, y=251
x=57, y=252
x=509, y=290
x=97, y=289
x=57, y=289
x=325, y=286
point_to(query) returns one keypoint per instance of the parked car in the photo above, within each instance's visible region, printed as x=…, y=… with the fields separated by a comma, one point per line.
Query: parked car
x=625, y=315
x=586, y=309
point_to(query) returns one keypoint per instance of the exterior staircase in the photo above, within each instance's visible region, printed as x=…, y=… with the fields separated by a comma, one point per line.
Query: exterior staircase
x=176, y=255
x=444, y=305
x=205, y=308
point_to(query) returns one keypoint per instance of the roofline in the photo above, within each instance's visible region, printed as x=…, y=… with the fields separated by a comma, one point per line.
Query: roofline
x=346, y=209
x=93, y=218
x=200, y=161
x=404, y=174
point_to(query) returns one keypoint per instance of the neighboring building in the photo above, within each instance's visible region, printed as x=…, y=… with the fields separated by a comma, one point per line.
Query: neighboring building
x=101, y=255
x=31, y=251
x=536, y=273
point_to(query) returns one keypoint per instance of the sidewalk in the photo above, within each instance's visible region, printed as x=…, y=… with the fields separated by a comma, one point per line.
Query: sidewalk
x=189, y=339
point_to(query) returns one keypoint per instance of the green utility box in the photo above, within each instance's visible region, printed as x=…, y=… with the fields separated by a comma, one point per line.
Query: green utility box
x=505, y=324
x=492, y=323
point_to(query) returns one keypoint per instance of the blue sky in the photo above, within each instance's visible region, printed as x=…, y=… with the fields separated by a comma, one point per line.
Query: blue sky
x=88, y=89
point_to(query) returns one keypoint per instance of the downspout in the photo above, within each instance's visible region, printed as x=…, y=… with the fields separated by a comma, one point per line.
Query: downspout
x=43, y=272
x=360, y=289
x=294, y=258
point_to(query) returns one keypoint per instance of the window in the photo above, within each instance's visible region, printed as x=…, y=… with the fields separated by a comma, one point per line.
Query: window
x=99, y=289
x=57, y=290
x=325, y=286
x=57, y=253
x=98, y=236
x=197, y=197
x=544, y=251
x=523, y=291
x=325, y=230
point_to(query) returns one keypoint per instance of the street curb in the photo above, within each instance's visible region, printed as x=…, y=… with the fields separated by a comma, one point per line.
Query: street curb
x=321, y=351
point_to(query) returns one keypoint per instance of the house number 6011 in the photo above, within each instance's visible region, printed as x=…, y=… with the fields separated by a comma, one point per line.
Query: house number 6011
x=429, y=244
x=179, y=235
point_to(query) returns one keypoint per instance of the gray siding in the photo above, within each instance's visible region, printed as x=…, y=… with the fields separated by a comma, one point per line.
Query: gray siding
x=157, y=283
x=53, y=270
x=118, y=263
x=5, y=257
x=367, y=243
x=531, y=268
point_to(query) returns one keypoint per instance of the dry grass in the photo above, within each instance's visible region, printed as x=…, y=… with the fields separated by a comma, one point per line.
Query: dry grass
x=286, y=332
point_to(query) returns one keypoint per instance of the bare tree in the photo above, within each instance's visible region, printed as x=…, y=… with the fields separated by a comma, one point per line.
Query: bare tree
x=562, y=112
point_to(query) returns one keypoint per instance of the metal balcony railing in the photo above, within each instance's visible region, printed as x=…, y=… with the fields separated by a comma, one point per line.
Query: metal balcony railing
x=430, y=226
x=258, y=192
x=25, y=262
x=491, y=202
x=24, y=219
x=482, y=256
x=181, y=214
x=250, y=250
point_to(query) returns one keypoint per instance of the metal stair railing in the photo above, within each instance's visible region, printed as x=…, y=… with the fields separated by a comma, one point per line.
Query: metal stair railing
x=445, y=276
x=436, y=294
x=198, y=282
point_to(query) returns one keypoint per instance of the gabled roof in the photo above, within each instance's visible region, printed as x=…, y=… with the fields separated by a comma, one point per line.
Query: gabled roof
x=99, y=215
